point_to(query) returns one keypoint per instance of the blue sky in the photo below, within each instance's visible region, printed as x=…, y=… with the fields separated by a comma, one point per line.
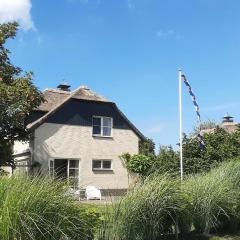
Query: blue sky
x=130, y=52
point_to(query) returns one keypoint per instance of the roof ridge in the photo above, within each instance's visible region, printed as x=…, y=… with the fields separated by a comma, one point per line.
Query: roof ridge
x=56, y=91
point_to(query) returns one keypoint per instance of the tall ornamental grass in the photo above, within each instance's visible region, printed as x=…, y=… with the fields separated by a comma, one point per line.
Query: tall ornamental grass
x=163, y=206
x=38, y=209
x=147, y=212
x=215, y=198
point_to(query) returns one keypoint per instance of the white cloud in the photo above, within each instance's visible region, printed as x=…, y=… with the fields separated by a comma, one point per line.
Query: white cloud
x=167, y=33
x=17, y=10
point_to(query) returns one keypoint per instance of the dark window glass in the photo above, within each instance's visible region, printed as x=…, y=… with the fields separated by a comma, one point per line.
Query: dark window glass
x=96, y=121
x=73, y=173
x=73, y=164
x=96, y=164
x=96, y=130
x=96, y=126
x=107, y=164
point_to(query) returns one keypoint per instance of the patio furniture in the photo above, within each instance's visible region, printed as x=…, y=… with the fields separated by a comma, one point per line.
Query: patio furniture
x=93, y=193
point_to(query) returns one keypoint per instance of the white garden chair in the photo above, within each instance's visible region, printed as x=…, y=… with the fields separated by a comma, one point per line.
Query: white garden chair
x=93, y=193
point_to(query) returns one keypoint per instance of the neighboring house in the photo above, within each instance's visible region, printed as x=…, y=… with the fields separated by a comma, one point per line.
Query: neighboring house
x=228, y=125
x=79, y=136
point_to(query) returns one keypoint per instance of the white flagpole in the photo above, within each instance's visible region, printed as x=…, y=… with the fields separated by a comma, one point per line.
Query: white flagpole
x=180, y=122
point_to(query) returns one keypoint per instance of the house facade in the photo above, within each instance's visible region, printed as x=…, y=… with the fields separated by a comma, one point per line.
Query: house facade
x=79, y=136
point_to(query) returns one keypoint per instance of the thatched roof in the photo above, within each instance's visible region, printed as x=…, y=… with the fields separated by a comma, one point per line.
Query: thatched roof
x=54, y=97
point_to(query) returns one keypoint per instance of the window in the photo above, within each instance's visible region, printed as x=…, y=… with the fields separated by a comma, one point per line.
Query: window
x=102, y=126
x=102, y=164
x=65, y=169
x=22, y=165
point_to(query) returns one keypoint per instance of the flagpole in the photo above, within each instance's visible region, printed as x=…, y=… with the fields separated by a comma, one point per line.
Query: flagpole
x=180, y=122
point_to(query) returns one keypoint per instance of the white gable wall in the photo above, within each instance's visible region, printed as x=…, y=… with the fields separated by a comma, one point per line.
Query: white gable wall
x=76, y=142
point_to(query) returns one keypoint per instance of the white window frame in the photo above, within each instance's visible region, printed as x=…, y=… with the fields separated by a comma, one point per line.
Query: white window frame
x=101, y=127
x=102, y=169
x=68, y=167
x=51, y=169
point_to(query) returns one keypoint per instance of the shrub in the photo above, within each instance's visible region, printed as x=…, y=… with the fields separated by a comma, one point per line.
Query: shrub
x=138, y=163
x=39, y=209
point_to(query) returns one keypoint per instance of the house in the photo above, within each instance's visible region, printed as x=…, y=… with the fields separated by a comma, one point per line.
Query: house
x=227, y=124
x=79, y=136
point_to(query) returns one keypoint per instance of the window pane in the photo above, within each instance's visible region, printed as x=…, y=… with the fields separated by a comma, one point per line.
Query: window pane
x=107, y=164
x=96, y=164
x=96, y=130
x=73, y=164
x=73, y=182
x=73, y=173
x=107, y=122
x=96, y=121
x=107, y=131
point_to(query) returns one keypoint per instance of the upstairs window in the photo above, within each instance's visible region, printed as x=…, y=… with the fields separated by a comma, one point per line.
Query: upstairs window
x=102, y=126
x=102, y=165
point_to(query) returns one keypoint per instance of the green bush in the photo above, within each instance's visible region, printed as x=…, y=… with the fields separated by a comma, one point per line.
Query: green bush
x=39, y=209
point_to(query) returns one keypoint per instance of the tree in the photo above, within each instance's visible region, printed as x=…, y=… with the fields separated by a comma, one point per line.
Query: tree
x=166, y=161
x=147, y=147
x=220, y=146
x=18, y=97
x=140, y=164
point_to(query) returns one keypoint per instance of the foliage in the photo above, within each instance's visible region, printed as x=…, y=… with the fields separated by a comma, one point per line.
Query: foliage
x=220, y=146
x=166, y=161
x=161, y=205
x=138, y=163
x=5, y=152
x=141, y=163
x=204, y=125
x=3, y=172
x=148, y=211
x=215, y=198
x=147, y=147
x=18, y=95
x=39, y=209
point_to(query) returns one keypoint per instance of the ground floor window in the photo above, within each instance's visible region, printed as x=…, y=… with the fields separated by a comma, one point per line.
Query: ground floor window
x=22, y=166
x=101, y=164
x=66, y=169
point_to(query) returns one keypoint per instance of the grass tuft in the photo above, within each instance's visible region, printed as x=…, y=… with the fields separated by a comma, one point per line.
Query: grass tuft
x=38, y=208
